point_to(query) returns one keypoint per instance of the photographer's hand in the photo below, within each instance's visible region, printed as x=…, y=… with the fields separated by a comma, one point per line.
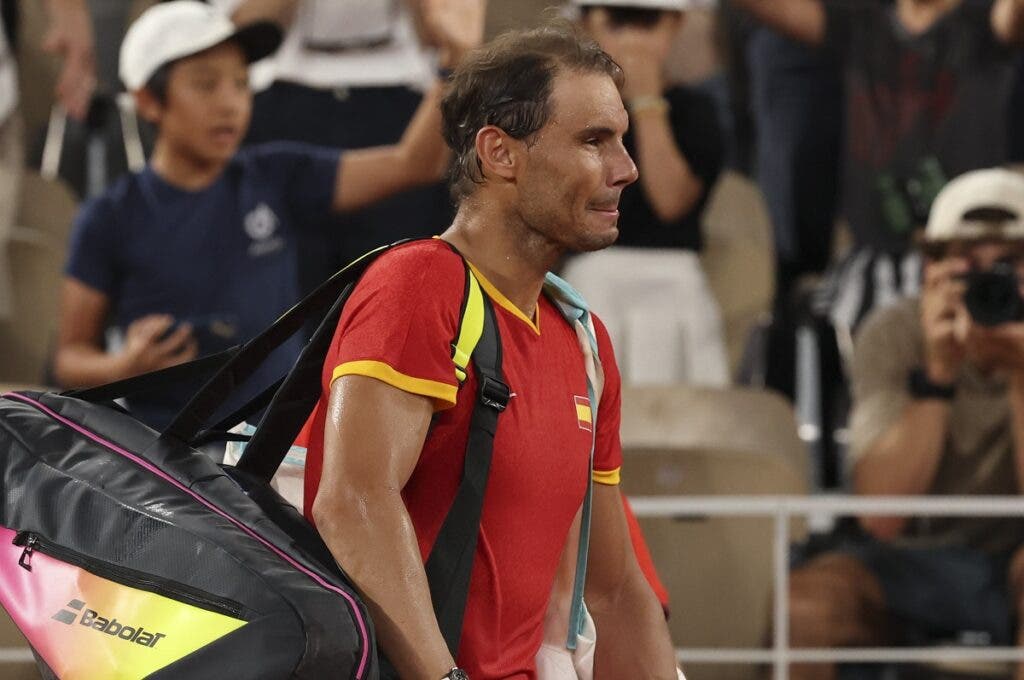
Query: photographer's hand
x=1003, y=346
x=944, y=319
x=641, y=52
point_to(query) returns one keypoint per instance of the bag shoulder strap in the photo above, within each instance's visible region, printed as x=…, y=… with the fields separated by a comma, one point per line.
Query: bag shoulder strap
x=450, y=563
x=576, y=311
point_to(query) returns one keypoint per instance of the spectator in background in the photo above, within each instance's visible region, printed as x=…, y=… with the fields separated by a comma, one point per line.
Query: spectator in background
x=926, y=89
x=797, y=104
x=938, y=387
x=349, y=74
x=69, y=36
x=197, y=252
x=650, y=286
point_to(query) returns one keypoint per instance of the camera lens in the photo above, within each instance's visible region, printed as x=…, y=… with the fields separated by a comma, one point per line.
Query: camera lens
x=993, y=297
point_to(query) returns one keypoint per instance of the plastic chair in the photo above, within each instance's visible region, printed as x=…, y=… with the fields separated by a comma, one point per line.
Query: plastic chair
x=12, y=646
x=718, y=570
x=734, y=418
x=738, y=257
x=26, y=340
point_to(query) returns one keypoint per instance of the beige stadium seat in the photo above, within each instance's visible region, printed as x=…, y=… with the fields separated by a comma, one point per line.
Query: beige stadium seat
x=739, y=257
x=733, y=418
x=27, y=339
x=718, y=571
x=47, y=206
x=15, y=656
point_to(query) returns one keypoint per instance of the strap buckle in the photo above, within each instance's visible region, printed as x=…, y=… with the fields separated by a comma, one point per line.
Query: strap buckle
x=494, y=393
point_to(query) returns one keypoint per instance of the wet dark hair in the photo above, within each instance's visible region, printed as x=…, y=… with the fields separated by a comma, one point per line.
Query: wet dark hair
x=642, y=17
x=508, y=83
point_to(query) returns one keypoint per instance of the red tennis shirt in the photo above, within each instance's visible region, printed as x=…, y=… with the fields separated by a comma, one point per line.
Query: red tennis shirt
x=399, y=327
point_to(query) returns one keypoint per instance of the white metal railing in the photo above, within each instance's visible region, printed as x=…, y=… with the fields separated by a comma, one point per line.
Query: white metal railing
x=782, y=509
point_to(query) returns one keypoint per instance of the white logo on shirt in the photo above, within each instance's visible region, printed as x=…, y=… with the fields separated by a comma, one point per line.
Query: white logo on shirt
x=260, y=225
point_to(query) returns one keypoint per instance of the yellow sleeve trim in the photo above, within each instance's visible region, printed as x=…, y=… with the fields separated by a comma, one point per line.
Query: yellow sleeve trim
x=441, y=393
x=607, y=477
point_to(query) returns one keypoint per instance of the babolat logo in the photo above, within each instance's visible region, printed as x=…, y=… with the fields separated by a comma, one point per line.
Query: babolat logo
x=90, y=618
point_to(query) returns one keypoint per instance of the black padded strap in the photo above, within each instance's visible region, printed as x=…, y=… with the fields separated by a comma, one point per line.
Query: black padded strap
x=291, y=406
x=156, y=381
x=450, y=563
x=197, y=413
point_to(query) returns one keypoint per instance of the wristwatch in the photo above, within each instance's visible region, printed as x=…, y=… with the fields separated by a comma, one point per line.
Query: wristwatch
x=921, y=387
x=456, y=674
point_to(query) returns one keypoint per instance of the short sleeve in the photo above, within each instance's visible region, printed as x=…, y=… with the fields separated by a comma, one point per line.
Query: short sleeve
x=306, y=172
x=93, y=247
x=607, y=445
x=887, y=347
x=401, y=321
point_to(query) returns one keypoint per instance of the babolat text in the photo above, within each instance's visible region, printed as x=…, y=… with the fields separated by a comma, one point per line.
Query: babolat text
x=138, y=635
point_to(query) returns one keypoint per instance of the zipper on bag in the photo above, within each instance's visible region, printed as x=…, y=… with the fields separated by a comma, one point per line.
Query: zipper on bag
x=31, y=543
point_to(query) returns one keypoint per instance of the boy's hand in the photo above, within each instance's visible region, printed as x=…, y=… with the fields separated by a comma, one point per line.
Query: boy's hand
x=148, y=346
x=454, y=26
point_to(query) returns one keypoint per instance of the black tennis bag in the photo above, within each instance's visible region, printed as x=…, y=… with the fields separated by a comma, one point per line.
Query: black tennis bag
x=127, y=553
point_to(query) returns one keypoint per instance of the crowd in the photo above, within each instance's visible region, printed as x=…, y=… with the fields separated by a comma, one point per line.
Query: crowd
x=291, y=136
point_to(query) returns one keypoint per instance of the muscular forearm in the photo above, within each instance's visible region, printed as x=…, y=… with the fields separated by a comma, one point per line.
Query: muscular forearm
x=633, y=639
x=904, y=460
x=373, y=539
x=667, y=180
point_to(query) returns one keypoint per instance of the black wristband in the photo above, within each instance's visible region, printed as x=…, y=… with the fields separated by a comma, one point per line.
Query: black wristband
x=921, y=387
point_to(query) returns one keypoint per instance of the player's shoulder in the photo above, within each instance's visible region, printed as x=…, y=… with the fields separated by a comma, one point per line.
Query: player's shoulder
x=420, y=268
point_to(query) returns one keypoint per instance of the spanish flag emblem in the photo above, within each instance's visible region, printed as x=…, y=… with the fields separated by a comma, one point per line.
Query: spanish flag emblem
x=583, y=414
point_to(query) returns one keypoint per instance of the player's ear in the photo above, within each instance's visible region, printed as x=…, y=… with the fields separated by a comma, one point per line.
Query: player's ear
x=498, y=153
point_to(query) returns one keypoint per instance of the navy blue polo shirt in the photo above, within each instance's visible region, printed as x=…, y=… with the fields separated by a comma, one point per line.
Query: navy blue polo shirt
x=222, y=258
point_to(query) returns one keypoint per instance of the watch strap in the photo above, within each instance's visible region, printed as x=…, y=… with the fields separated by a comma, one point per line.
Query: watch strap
x=920, y=386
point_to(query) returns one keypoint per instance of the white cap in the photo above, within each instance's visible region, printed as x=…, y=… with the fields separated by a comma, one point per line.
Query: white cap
x=172, y=30
x=959, y=211
x=676, y=5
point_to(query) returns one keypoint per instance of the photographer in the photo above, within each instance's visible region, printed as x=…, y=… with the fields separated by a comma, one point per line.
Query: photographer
x=938, y=410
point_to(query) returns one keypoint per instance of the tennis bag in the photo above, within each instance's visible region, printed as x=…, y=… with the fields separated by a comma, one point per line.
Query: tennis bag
x=127, y=553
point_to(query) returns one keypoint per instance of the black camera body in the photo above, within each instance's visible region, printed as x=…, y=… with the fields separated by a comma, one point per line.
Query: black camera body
x=993, y=295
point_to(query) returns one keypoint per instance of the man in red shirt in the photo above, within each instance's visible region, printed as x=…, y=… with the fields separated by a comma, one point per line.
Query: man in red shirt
x=536, y=124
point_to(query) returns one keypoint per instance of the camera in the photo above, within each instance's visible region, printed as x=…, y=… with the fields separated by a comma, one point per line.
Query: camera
x=993, y=295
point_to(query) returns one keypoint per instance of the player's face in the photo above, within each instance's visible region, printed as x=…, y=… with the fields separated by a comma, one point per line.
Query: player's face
x=577, y=166
x=208, y=105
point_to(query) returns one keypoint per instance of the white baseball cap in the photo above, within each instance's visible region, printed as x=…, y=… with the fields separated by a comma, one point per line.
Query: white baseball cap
x=172, y=30
x=979, y=204
x=674, y=5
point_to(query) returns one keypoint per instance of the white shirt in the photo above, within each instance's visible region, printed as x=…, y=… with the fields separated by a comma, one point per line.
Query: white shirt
x=346, y=43
x=8, y=78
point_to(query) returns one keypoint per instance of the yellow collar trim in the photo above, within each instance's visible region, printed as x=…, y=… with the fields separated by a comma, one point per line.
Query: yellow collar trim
x=503, y=301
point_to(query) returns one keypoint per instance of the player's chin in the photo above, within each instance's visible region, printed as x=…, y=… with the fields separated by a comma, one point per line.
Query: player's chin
x=597, y=240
